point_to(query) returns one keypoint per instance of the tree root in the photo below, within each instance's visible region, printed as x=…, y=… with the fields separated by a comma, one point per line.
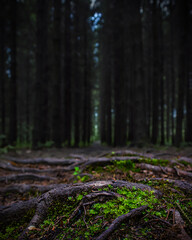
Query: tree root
x=185, y=186
x=16, y=210
x=166, y=170
x=118, y=221
x=91, y=196
x=43, y=202
x=46, y=161
x=24, y=188
x=83, y=163
x=181, y=224
x=25, y=176
x=9, y=167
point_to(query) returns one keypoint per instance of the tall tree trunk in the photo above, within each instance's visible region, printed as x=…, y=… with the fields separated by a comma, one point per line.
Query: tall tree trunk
x=155, y=83
x=40, y=115
x=77, y=77
x=106, y=78
x=2, y=71
x=119, y=78
x=182, y=31
x=140, y=111
x=56, y=81
x=188, y=133
x=161, y=68
x=67, y=75
x=172, y=73
x=12, y=137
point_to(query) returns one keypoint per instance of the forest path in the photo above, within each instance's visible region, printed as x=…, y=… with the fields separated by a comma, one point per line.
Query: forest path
x=26, y=174
x=25, y=170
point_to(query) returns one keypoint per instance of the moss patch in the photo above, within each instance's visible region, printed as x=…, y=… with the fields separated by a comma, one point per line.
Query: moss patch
x=15, y=228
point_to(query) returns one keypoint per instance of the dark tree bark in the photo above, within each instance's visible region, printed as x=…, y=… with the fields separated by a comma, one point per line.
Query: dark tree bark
x=120, y=127
x=77, y=76
x=87, y=65
x=40, y=115
x=182, y=15
x=56, y=81
x=140, y=111
x=188, y=133
x=106, y=76
x=12, y=133
x=155, y=81
x=67, y=118
x=2, y=70
x=172, y=72
x=85, y=81
x=161, y=68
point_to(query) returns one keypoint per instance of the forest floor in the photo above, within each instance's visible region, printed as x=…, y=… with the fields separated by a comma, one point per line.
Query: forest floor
x=96, y=192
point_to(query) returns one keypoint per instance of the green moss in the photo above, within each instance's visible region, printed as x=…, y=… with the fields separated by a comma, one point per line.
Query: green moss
x=125, y=165
x=185, y=163
x=99, y=214
x=13, y=229
x=154, y=161
x=172, y=196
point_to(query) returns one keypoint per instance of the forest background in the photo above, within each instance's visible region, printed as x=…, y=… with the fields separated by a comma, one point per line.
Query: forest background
x=74, y=72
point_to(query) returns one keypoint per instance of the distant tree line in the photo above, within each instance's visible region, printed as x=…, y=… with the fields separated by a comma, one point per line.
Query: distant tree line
x=123, y=67
x=146, y=72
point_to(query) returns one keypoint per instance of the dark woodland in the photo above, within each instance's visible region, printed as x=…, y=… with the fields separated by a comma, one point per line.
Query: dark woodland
x=115, y=71
x=96, y=119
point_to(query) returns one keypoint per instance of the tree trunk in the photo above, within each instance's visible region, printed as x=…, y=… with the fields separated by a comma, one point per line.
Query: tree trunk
x=2, y=71
x=40, y=115
x=67, y=75
x=182, y=31
x=12, y=136
x=155, y=83
x=77, y=77
x=120, y=130
x=56, y=81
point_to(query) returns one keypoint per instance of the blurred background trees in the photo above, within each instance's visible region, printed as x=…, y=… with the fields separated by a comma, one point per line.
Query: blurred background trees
x=73, y=72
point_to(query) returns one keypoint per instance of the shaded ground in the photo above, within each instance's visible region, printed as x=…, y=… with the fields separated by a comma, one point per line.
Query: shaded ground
x=56, y=174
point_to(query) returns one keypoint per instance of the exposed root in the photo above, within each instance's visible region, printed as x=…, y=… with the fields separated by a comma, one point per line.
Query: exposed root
x=91, y=196
x=24, y=188
x=9, y=167
x=43, y=202
x=183, y=185
x=25, y=176
x=46, y=161
x=166, y=170
x=181, y=224
x=118, y=221
x=16, y=210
